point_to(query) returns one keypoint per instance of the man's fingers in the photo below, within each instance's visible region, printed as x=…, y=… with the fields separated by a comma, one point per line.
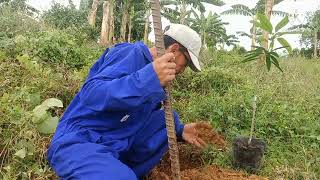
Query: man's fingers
x=202, y=142
x=166, y=57
x=170, y=71
x=171, y=65
x=171, y=77
x=196, y=143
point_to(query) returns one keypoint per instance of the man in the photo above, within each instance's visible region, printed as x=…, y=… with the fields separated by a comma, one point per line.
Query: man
x=115, y=127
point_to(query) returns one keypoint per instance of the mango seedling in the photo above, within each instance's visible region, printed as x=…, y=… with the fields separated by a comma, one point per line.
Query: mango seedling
x=248, y=151
x=270, y=54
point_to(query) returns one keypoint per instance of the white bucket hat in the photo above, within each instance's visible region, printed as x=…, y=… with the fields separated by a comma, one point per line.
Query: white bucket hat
x=189, y=39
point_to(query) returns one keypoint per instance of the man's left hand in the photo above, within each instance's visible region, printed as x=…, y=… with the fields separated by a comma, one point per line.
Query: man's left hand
x=190, y=135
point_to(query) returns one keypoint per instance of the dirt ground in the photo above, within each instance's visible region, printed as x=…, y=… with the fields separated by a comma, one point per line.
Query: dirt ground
x=191, y=164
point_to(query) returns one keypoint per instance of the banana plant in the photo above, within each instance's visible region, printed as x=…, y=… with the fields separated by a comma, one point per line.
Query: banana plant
x=270, y=54
x=211, y=28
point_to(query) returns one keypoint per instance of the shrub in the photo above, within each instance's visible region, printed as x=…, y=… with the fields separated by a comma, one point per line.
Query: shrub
x=57, y=48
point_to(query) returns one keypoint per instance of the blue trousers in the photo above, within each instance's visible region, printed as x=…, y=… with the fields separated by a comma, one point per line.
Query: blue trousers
x=86, y=154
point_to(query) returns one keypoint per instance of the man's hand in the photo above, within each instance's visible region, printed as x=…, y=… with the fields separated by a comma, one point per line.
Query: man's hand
x=190, y=135
x=165, y=68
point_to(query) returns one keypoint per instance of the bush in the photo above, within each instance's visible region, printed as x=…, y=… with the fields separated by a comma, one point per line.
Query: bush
x=72, y=19
x=16, y=23
x=62, y=17
x=57, y=48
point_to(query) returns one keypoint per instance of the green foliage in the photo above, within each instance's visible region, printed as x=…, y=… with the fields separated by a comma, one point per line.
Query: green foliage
x=308, y=30
x=14, y=23
x=62, y=17
x=23, y=122
x=55, y=47
x=264, y=23
x=18, y=6
x=38, y=63
x=211, y=29
x=270, y=55
x=72, y=19
x=282, y=23
x=287, y=112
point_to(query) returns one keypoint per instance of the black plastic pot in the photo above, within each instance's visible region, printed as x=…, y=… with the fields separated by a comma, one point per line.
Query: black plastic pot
x=248, y=156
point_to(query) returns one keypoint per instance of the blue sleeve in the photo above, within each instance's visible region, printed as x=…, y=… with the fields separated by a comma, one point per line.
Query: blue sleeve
x=178, y=126
x=124, y=93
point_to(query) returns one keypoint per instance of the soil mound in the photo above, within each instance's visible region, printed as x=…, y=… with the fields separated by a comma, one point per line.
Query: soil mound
x=191, y=163
x=216, y=173
x=207, y=134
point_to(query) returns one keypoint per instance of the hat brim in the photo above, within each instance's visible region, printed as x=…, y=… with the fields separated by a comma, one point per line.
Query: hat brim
x=194, y=65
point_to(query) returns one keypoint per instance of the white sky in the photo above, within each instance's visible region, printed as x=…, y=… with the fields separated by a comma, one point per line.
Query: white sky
x=236, y=22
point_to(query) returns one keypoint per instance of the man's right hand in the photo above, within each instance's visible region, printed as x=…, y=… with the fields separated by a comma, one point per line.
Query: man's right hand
x=165, y=68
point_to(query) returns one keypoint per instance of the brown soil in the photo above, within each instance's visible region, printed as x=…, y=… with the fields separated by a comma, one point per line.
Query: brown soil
x=191, y=163
x=210, y=136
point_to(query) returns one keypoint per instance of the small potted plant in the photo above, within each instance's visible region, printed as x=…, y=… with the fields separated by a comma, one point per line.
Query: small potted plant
x=248, y=151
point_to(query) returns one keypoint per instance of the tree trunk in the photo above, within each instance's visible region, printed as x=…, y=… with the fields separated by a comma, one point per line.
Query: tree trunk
x=183, y=12
x=111, y=23
x=146, y=28
x=204, y=40
x=315, y=53
x=124, y=22
x=265, y=42
x=268, y=10
x=105, y=24
x=254, y=35
x=253, y=40
x=130, y=23
x=93, y=13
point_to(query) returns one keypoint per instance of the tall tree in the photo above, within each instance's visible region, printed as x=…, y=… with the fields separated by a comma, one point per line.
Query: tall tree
x=146, y=27
x=124, y=19
x=131, y=16
x=104, y=37
x=268, y=11
x=315, y=24
x=310, y=32
x=240, y=9
x=93, y=13
x=111, y=38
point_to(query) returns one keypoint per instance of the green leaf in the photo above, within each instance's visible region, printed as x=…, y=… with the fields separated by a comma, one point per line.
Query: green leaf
x=252, y=56
x=249, y=59
x=288, y=32
x=282, y=23
x=275, y=54
x=274, y=57
x=52, y=102
x=278, y=48
x=48, y=126
x=21, y=153
x=271, y=44
x=268, y=61
x=285, y=44
x=40, y=111
x=264, y=24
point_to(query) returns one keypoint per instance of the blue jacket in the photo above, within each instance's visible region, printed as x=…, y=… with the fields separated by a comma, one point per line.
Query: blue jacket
x=120, y=94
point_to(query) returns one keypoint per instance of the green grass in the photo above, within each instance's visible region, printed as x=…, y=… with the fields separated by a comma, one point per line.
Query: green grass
x=288, y=110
